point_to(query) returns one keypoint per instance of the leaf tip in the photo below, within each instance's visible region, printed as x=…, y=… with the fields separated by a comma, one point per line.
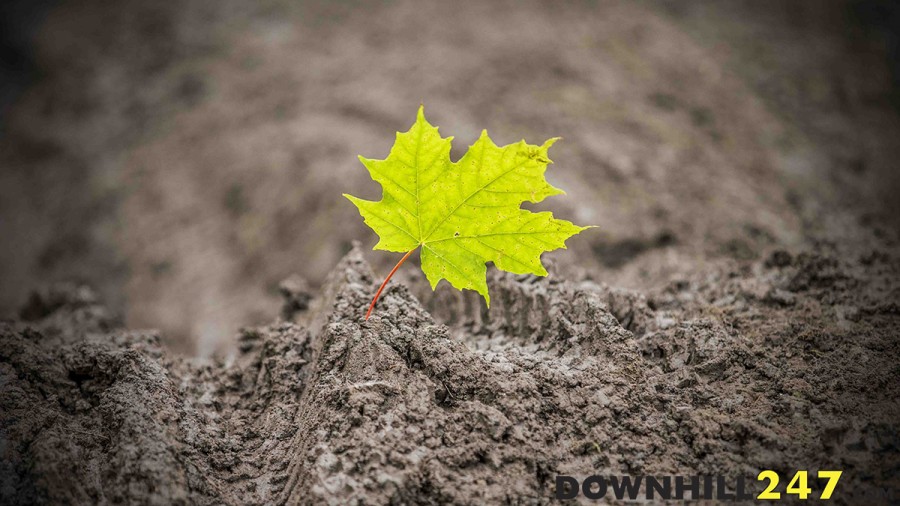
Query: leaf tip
x=356, y=201
x=557, y=191
x=485, y=138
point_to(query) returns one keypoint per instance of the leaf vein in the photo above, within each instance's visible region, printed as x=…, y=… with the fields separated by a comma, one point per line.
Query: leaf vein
x=472, y=195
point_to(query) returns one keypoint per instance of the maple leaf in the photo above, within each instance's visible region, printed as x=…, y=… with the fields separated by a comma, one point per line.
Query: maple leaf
x=463, y=214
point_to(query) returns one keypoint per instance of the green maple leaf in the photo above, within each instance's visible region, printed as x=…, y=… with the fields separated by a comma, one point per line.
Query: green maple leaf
x=463, y=214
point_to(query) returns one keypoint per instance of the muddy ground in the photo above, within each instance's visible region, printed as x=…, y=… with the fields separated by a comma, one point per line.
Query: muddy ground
x=736, y=309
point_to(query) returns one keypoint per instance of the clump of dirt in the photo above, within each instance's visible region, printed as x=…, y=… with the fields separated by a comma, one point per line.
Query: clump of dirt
x=786, y=363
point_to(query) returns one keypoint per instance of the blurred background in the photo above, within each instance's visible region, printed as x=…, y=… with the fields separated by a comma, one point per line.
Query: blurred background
x=185, y=157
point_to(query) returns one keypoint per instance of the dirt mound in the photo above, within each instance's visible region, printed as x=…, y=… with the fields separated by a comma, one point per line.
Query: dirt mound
x=183, y=158
x=789, y=364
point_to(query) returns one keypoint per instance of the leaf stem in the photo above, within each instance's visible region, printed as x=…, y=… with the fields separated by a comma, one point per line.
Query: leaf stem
x=388, y=278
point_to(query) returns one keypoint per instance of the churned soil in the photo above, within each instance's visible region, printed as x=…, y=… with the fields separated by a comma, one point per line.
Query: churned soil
x=736, y=309
x=789, y=362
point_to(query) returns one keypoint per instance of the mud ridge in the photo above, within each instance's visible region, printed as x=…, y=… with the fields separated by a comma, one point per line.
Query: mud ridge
x=789, y=362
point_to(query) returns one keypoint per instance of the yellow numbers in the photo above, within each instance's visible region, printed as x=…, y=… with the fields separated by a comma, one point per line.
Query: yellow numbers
x=769, y=493
x=797, y=485
x=833, y=477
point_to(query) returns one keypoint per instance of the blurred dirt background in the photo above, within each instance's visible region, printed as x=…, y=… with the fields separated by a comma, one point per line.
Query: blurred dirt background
x=736, y=310
x=185, y=157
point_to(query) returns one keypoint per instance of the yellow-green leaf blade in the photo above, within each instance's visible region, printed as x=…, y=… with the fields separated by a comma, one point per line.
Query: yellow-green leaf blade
x=463, y=270
x=389, y=222
x=419, y=157
x=467, y=213
x=489, y=177
x=513, y=241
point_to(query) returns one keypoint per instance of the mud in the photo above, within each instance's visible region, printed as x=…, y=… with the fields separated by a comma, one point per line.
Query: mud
x=178, y=166
x=790, y=362
x=184, y=159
